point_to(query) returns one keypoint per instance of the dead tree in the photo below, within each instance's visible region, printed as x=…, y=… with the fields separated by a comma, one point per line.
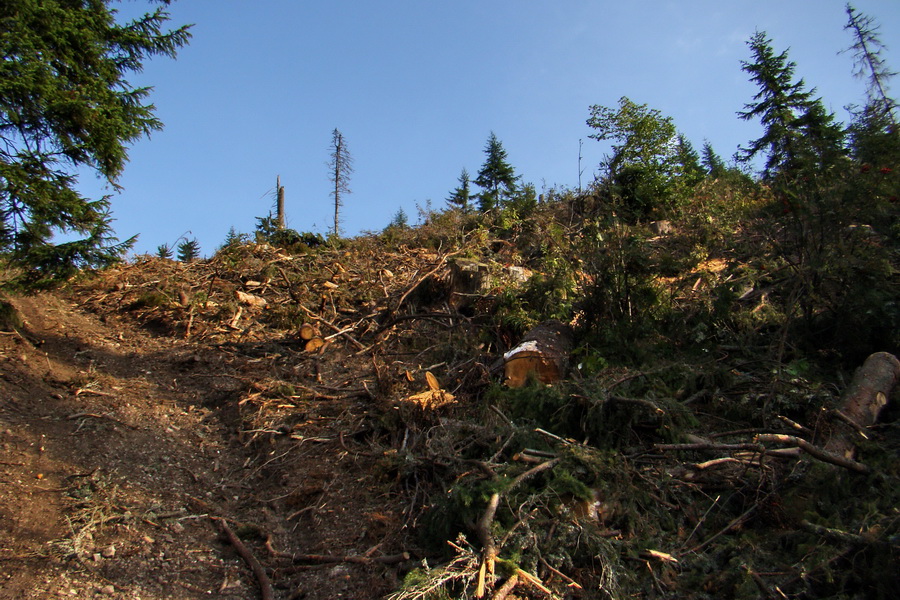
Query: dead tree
x=279, y=203
x=340, y=168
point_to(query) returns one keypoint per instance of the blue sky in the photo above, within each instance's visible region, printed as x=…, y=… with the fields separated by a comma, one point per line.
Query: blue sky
x=416, y=87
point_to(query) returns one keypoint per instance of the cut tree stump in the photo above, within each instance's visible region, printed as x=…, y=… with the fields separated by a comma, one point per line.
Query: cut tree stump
x=868, y=393
x=542, y=353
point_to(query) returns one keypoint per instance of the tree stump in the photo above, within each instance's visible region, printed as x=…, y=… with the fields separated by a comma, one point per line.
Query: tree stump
x=543, y=353
x=868, y=393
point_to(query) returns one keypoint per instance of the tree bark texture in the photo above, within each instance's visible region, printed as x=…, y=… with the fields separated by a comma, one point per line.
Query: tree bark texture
x=868, y=393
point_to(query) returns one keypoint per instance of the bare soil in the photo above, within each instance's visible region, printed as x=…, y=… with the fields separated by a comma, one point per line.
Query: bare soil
x=121, y=450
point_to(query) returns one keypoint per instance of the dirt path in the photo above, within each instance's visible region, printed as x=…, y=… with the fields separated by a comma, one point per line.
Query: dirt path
x=117, y=447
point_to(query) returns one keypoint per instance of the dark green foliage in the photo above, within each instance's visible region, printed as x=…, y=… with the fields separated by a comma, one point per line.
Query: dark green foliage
x=689, y=171
x=712, y=162
x=268, y=232
x=642, y=172
x=496, y=178
x=400, y=219
x=164, y=251
x=233, y=238
x=189, y=250
x=800, y=136
x=65, y=104
x=461, y=195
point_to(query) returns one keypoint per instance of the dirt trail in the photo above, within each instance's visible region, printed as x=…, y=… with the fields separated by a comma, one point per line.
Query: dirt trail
x=117, y=447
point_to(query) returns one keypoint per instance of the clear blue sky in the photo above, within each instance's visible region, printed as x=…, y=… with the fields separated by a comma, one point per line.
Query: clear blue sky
x=417, y=86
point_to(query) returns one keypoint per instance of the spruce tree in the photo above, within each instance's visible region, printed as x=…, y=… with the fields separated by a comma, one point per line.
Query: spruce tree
x=459, y=197
x=799, y=133
x=712, y=162
x=688, y=162
x=189, y=250
x=497, y=178
x=66, y=105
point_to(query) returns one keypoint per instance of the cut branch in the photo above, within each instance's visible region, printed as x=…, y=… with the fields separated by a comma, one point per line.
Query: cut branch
x=265, y=584
x=813, y=451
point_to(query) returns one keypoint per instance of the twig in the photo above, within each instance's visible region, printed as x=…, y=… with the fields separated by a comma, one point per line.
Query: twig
x=843, y=537
x=843, y=417
x=504, y=590
x=553, y=436
x=734, y=523
x=550, y=568
x=265, y=584
x=814, y=451
x=795, y=425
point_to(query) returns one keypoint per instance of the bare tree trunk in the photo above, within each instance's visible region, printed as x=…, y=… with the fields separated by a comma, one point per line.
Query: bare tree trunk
x=279, y=191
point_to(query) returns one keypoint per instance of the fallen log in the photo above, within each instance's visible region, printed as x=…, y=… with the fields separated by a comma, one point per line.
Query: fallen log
x=543, y=353
x=866, y=396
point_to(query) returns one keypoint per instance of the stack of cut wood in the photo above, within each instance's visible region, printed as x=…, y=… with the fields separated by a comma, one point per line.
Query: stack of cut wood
x=314, y=340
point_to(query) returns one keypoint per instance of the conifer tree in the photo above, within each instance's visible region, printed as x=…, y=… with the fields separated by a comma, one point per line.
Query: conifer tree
x=799, y=132
x=874, y=133
x=688, y=162
x=164, y=251
x=461, y=195
x=189, y=250
x=869, y=63
x=340, y=167
x=712, y=162
x=496, y=178
x=65, y=105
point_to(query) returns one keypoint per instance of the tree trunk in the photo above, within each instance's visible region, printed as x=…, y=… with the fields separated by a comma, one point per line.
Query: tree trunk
x=279, y=203
x=543, y=353
x=868, y=393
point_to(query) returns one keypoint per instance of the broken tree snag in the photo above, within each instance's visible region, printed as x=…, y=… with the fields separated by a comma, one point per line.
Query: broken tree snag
x=868, y=393
x=543, y=352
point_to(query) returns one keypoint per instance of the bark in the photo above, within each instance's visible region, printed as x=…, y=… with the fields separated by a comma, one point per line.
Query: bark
x=542, y=353
x=868, y=393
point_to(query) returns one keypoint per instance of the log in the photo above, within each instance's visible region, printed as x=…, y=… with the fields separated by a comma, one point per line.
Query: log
x=314, y=345
x=864, y=399
x=543, y=353
x=308, y=331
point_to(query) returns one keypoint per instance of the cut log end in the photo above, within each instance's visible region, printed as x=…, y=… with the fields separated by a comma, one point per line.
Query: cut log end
x=308, y=332
x=315, y=344
x=542, y=354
